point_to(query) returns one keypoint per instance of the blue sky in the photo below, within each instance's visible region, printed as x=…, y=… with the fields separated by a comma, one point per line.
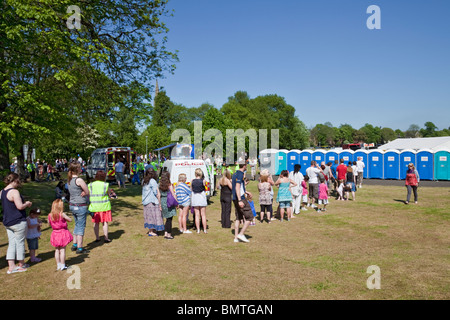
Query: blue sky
x=319, y=55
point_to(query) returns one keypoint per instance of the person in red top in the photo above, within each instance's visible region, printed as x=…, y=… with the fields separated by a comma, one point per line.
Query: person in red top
x=412, y=182
x=341, y=171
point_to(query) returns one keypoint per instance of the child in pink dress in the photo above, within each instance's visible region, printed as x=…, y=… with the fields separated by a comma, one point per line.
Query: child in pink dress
x=304, y=193
x=61, y=235
x=323, y=195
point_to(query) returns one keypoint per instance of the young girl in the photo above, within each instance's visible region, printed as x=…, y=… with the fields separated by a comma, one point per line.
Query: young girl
x=183, y=193
x=165, y=187
x=265, y=197
x=33, y=233
x=61, y=235
x=284, y=196
x=340, y=191
x=304, y=193
x=323, y=195
x=199, y=201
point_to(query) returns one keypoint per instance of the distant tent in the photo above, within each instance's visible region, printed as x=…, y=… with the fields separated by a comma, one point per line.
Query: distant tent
x=433, y=143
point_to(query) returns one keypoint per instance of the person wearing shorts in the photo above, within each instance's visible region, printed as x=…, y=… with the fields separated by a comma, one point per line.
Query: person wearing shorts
x=242, y=207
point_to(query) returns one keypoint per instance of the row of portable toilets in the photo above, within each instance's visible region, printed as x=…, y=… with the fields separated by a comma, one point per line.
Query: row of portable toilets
x=389, y=164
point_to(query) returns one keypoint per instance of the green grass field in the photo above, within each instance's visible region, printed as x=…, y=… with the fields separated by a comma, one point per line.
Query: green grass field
x=313, y=256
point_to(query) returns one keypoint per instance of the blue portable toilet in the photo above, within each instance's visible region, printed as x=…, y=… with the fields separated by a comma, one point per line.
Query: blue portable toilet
x=305, y=160
x=347, y=155
x=281, y=163
x=442, y=164
x=364, y=154
x=407, y=156
x=425, y=162
x=332, y=155
x=375, y=164
x=392, y=164
x=267, y=160
x=293, y=159
x=318, y=156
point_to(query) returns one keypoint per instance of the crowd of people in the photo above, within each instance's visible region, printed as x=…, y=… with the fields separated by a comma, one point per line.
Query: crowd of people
x=162, y=201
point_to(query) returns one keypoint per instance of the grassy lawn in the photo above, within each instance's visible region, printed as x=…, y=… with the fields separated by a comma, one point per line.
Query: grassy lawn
x=313, y=256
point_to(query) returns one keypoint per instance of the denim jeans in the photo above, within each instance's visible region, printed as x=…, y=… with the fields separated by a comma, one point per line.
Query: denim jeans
x=16, y=237
x=79, y=215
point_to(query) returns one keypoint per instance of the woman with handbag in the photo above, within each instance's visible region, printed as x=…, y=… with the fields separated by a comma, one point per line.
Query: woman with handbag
x=168, y=203
x=412, y=182
x=153, y=219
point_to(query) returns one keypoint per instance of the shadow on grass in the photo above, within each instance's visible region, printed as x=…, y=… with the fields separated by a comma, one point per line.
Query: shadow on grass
x=398, y=200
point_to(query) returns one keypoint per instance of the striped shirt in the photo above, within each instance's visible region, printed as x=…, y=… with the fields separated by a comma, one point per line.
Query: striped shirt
x=183, y=193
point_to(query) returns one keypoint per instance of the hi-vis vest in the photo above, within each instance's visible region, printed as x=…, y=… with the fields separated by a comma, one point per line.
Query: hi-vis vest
x=98, y=196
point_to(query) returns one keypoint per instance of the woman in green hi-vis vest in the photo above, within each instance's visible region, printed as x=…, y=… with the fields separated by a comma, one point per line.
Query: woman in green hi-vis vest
x=100, y=206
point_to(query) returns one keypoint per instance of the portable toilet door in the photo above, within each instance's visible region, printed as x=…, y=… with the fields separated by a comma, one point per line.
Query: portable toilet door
x=364, y=154
x=293, y=158
x=305, y=160
x=267, y=160
x=407, y=156
x=425, y=162
x=331, y=155
x=375, y=164
x=442, y=164
x=318, y=156
x=347, y=155
x=392, y=164
x=281, y=163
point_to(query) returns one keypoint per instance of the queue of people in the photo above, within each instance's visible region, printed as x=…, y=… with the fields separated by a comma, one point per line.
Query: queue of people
x=161, y=201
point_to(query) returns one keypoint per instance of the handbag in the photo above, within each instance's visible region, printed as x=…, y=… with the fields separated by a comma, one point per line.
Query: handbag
x=171, y=201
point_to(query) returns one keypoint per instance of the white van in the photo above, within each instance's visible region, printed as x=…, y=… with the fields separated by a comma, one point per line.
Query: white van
x=188, y=166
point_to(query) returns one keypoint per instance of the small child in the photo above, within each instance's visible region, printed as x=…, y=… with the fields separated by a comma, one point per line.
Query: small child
x=252, y=206
x=340, y=191
x=323, y=195
x=59, y=191
x=61, y=235
x=34, y=233
x=304, y=194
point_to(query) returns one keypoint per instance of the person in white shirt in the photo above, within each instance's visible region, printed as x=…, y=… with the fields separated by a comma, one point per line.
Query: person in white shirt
x=360, y=170
x=313, y=173
x=296, y=191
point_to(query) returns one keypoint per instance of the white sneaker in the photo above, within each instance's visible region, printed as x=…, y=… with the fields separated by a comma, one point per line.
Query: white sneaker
x=236, y=240
x=187, y=231
x=242, y=238
x=304, y=209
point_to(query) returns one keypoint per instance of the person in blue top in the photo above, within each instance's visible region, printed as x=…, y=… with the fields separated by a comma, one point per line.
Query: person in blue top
x=334, y=173
x=244, y=212
x=119, y=167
